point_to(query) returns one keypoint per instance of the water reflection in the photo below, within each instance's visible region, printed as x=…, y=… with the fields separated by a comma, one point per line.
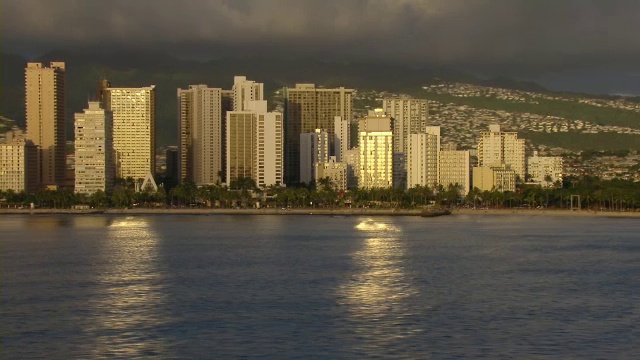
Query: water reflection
x=379, y=296
x=130, y=305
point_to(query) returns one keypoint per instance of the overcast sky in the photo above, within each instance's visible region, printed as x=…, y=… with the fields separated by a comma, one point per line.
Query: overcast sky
x=529, y=36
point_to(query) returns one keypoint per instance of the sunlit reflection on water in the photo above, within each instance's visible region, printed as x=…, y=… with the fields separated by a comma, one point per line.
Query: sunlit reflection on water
x=131, y=297
x=379, y=295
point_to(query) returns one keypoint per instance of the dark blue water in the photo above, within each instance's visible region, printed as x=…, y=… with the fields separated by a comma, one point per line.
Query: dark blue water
x=319, y=287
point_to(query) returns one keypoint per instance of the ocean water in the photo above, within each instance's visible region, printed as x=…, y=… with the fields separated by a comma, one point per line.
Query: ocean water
x=174, y=286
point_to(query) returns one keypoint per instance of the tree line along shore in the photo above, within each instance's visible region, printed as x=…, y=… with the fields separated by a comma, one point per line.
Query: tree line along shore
x=575, y=193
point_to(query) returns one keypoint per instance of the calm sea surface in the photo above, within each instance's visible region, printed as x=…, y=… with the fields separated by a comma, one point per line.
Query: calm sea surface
x=476, y=286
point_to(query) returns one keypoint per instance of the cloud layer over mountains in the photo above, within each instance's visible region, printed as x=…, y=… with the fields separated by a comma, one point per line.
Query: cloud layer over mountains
x=530, y=35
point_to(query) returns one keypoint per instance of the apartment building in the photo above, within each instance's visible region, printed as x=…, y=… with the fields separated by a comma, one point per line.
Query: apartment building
x=94, y=155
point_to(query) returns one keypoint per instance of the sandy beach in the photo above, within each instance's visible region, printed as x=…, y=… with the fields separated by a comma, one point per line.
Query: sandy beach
x=317, y=211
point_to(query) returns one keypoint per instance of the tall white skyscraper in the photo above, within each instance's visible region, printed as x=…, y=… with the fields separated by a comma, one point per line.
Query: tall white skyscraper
x=134, y=130
x=202, y=112
x=497, y=148
x=94, y=165
x=314, y=148
x=422, y=158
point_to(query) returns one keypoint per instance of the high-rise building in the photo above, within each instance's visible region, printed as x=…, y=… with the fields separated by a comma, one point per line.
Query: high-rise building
x=245, y=91
x=422, y=158
x=409, y=116
x=308, y=108
x=94, y=165
x=376, y=152
x=544, y=170
x=496, y=148
x=202, y=111
x=19, y=163
x=134, y=126
x=45, y=113
x=342, y=142
x=314, y=148
x=454, y=167
x=254, y=145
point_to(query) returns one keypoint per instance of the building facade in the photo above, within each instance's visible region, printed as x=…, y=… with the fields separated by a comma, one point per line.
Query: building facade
x=255, y=145
x=496, y=148
x=45, y=115
x=352, y=159
x=94, y=165
x=333, y=170
x=376, y=152
x=314, y=148
x=422, y=158
x=342, y=142
x=307, y=108
x=454, y=167
x=134, y=130
x=244, y=91
x=544, y=170
x=409, y=116
x=19, y=163
x=498, y=178
x=202, y=112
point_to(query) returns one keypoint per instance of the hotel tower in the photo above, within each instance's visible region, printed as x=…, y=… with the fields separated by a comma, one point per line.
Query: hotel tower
x=134, y=125
x=45, y=114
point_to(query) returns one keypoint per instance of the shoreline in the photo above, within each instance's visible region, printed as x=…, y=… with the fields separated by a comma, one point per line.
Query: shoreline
x=314, y=211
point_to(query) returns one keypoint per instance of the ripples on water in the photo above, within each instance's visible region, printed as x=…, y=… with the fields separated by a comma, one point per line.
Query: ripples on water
x=319, y=286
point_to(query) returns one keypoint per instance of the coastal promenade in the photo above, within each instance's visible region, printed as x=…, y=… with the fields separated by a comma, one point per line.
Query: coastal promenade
x=319, y=211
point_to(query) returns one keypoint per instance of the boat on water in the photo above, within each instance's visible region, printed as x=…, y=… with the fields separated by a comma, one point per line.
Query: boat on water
x=435, y=211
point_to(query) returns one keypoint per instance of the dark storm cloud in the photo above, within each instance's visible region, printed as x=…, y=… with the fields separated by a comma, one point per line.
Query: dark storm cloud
x=518, y=33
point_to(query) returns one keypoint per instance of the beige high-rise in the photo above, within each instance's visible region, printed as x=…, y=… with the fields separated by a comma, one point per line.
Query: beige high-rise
x=134, y=130
x=422, y=158
x=19, y=163
x=94, y=166
x=497, y=148
x=308, y=108
x=45, y=114
x=202, y=112
x=454, y=167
